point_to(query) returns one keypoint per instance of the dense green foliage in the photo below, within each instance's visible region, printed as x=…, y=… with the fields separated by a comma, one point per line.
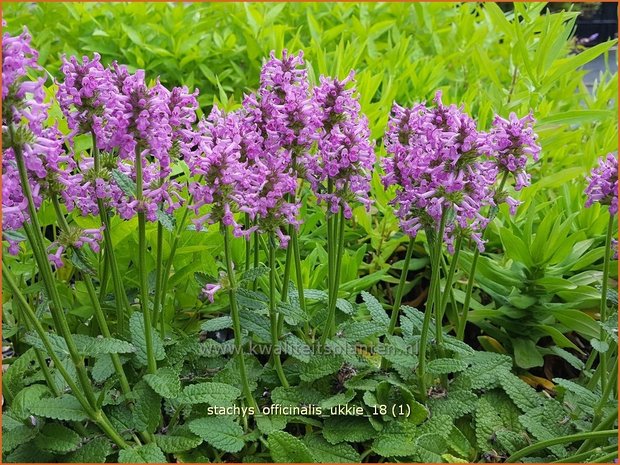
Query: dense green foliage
x=533, y=323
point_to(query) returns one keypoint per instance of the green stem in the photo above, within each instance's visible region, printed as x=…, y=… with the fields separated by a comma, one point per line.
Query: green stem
x=436, y=256
x=608, y=458
x=234, y=314
x=460, y=334
x=96, y=415
x=603, y=312
x=401, y=287
x=450, y=277
x=560, y=440
x=99, y=315
x=248, y=244
x=273, y=313
x=579, y=458
x=38, y=249
x=298, y=275
x=157, y=299
x=144, y=292
x=256, y=257
x=122, y=303
x=337, y=253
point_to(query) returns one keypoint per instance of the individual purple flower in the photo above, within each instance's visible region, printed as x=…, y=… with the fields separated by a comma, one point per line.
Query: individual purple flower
x=437, y=168
x=345, y=155
x=603, y=183
x=24, y=114
x=511, y=142
x=74, y=238
x=210, y=289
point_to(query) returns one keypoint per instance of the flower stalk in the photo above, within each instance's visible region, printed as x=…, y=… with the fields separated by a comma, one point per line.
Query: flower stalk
x=144, y=293
x=234, y=314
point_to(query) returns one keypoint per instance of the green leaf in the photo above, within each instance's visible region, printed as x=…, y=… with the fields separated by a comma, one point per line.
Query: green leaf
x=221, y=432
x=95, y=346
x=270, y=423
x=454, y=403
x=179, y=439
x=295, y=395
x=148, y=453
x=285, y=448
x=124, y=182
x=94, y=451
x=430, y=447
x=165, y=382
x=216, y=324
x=377, y=313
x=136, y=328
x=354, y=331
x=26, y=398
x=253, y=274
x=526, y=353
x=340, y=428
x=18, y=434
x=165, y=219
x=81, y=262
x=65, y=407
x=296, y=348
x=397, y=439
x=146, y=411
x=522, y=394
x=575, y=117
x=319, y=366
x=442, y=366
x=338, y=399
x=324, y=452
x=57, y=438
x=212, y=393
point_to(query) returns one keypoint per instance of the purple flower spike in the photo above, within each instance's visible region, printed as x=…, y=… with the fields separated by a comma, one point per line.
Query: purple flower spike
x=511, y=142
x=345, y=153
x=437, y=168
x=222, y=178
x=603, y=183
x=24, y=114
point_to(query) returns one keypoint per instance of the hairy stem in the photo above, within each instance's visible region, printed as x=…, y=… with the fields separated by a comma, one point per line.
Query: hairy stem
x=234, y=314
x=435, y=276
x=273, y=313
x=603, y=312
x=144, y=292
x=99, y=315
x=96, y=415
x=123, y=310
x=38, y=249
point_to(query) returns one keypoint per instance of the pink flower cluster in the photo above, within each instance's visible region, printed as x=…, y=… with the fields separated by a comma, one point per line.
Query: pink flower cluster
x=437, y=168
x=129, y=120
x=345, y=154
x=512, y=142
x=603, y=184
x=24, y=113
x=251, y=160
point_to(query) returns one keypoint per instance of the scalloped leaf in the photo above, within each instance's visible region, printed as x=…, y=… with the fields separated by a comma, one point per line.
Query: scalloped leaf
x=165, y=382
x=286, y=448
x=148, y=453
x=65, y=407
x=221, y=432
x=212, y=393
